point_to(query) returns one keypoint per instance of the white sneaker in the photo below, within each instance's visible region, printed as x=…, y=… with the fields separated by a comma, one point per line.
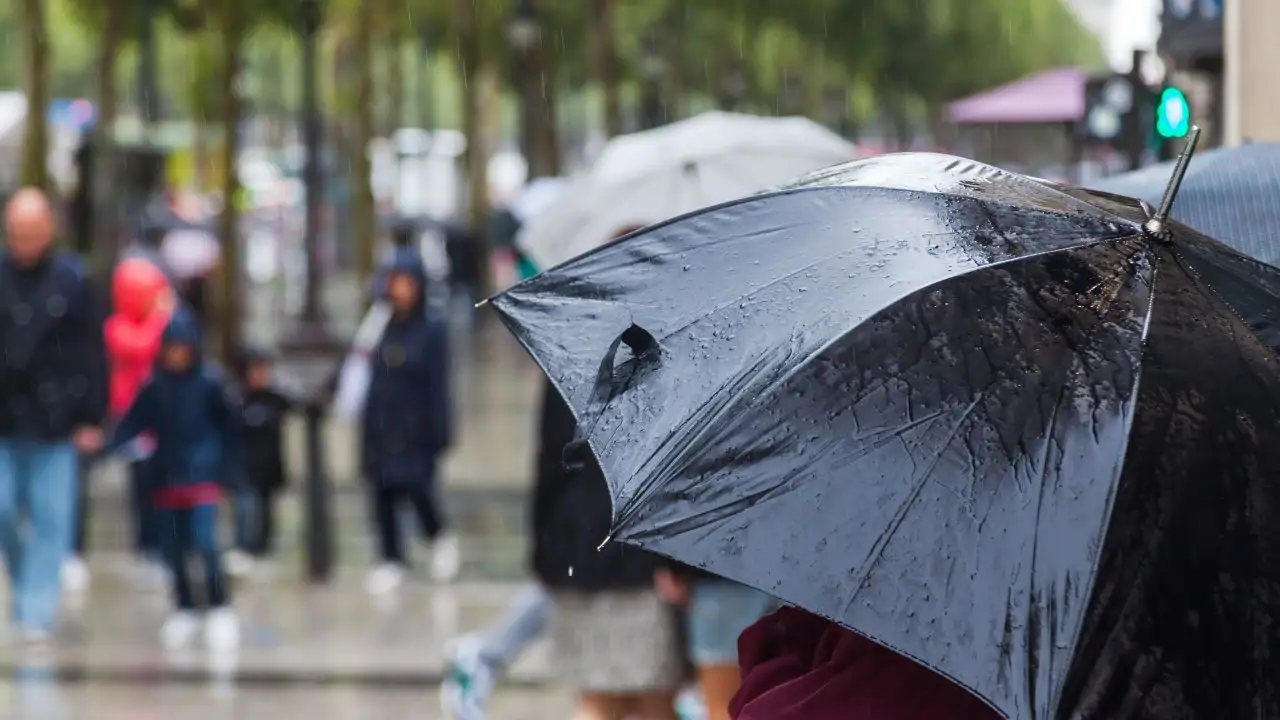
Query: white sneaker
x=468, y=681
x=179, y=630
x=446, y=558
x=222, y=629
x=75, y=574
x=384, y=579
x=239, y=563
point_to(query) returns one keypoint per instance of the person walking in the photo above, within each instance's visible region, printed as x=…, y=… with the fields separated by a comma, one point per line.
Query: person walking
x=143, y=301
x=52, y=403
x=406, y=425
x=615, y=640
x=198, y=451
x=263, y=412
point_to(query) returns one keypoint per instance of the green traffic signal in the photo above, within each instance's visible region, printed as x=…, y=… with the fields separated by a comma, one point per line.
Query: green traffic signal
x=1173, y=114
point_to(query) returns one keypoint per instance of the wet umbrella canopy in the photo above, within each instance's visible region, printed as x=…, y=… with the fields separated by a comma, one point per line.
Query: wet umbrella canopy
x=986, y=421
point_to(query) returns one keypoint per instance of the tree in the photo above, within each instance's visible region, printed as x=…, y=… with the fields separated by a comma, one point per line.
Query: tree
x=605, y=57
x=35, y=144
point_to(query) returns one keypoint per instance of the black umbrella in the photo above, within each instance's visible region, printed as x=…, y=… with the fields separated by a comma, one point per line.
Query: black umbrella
x=1232, y=194
x=993, y=424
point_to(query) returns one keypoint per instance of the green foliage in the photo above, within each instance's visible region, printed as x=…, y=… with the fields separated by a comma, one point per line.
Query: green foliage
x=921, y=52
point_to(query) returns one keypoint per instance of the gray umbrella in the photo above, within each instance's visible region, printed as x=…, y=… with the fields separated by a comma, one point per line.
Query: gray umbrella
x=1232, y=194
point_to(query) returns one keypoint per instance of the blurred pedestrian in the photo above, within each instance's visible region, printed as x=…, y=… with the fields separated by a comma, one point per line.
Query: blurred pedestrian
x=198, y=450
x=716, y=612
x=616, y=641
x=798, y=666
x=406, y=425
x=474, y=663
x=263, y=412
x=52, y=403
x=143, y=301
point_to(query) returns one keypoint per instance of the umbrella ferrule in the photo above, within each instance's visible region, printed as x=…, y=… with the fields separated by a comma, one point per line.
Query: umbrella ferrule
x=1155, y=226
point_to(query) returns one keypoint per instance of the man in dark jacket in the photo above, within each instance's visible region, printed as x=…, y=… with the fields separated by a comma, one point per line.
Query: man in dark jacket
x=406, y=423
x=52, y=403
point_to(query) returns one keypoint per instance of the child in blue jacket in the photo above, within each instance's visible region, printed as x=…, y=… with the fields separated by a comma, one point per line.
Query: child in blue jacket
x=198, y=450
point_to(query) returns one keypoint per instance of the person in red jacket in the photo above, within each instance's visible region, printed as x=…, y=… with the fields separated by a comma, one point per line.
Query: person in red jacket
x=143, y=301
x=798, y=666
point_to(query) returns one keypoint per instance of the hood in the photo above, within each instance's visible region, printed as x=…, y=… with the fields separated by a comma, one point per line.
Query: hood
x=135, y=286
x=249, y=356
x=184, y=329
x=407, y=261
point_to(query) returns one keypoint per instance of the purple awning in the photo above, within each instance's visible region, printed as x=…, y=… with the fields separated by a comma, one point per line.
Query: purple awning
x=1052, y=96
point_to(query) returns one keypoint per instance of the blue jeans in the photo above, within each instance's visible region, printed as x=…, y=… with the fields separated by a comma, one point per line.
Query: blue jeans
x=193, y=530
x=244, y=506
x=718, y=612
x=38, y=487
x=525, y=619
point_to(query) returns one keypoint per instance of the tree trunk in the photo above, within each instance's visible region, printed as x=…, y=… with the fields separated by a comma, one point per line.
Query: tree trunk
x=229, y=300
x=673, y=49
x=363, y=211
x=35, y=143
x=475, y=77
x=605, y=49
x=395, y=89
x=106, y=232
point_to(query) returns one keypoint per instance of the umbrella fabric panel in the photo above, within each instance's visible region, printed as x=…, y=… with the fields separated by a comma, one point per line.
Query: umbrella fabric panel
x=1182, y=621
x=1233, y=194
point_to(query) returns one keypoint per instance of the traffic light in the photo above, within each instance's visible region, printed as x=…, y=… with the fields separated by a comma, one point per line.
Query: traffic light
x=1117, y=110
x=1173, y=114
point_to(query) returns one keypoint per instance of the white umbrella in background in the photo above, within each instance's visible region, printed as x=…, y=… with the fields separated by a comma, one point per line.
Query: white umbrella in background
x=190, y=253
x=654, y=175
x=536, y=197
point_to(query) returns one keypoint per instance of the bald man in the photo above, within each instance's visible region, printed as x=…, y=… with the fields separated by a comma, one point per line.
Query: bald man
x=52, y=404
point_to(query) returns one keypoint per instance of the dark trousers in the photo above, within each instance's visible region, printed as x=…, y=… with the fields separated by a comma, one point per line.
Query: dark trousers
x=182, y=533
x=387, y=500
x=256, y=521
x=142, y=480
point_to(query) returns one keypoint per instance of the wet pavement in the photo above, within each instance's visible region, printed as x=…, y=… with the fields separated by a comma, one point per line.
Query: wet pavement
x=34, y=697
x=291, y=634
x=328, y=652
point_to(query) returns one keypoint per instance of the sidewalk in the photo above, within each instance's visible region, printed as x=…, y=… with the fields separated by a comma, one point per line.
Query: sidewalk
x=291, y=635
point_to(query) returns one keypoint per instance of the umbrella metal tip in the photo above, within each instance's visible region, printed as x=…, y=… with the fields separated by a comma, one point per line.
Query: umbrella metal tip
x=1156, y=224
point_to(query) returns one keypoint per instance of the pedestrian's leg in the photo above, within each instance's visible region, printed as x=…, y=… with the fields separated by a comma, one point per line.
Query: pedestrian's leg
x=427, y=508
x=145, y=531
x=173, y=529
x=390, y=573
x=204, y=540
x=524, y=621
x=51, y=498
x=446, y=557
x=386, y=498
x=222, y=628
x=245, y=504
x=265, y=537
x=82, y=508
x=10, y=516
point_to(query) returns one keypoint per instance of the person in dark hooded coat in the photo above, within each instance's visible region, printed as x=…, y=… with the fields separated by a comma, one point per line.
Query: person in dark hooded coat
x=198, y=451
x=406, y=423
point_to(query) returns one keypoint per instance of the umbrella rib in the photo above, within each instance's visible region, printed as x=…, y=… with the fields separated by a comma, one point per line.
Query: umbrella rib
x=900, y=514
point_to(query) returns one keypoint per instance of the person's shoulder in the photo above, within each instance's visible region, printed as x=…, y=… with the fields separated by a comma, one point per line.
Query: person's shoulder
x=69, y=266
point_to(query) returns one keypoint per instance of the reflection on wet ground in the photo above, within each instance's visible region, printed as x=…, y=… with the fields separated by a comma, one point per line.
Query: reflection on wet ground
x=33, y=698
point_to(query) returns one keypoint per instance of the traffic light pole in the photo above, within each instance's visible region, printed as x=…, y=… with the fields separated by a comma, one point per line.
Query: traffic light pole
x=1135, y=141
